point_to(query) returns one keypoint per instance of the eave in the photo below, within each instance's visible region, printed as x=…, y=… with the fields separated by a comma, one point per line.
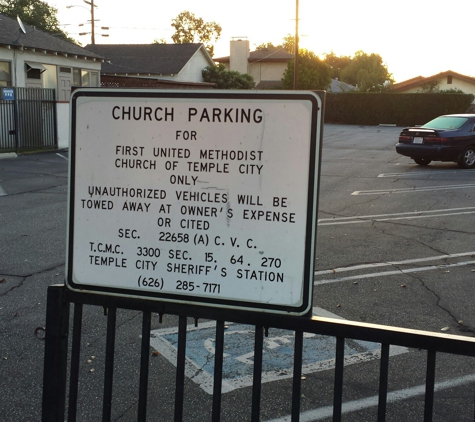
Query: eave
x=51, y=52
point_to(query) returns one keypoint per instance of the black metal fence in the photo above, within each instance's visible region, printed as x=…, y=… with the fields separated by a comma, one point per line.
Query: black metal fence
x=28, y=121
x=56, y=372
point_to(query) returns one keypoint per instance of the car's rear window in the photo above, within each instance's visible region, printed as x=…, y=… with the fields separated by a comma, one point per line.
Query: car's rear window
x=446, y=122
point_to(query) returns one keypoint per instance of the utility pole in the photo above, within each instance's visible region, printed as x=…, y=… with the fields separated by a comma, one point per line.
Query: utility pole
x=93, y=35
x=296, y=53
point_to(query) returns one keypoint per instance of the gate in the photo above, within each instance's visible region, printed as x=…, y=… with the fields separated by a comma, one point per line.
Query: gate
x=56, y=374
x=28, y=120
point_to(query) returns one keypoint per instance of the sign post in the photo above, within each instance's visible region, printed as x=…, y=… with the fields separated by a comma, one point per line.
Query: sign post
x=204, y=197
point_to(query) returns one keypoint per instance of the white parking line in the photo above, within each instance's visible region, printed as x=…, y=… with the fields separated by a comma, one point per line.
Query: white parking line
x=414, y=189
x=420, y=173
x=62, y=156
x=388, y=273
x=392, y=397
x=395, y=216
x=393, y=263
x=2, y=192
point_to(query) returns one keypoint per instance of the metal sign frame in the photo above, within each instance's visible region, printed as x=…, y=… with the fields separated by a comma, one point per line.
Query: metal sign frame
x=81, y=167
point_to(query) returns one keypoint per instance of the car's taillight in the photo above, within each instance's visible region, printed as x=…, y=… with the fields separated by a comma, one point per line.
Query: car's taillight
x=405, y=138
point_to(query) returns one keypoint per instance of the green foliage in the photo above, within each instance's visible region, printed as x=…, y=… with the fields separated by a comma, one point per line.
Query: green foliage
x=288, y=43
x=190, y=29
x=450, y=91
x=160, y=41
x=430, y=86
x=367, y=72
x=392, y=108
x=313, y=73
x=337, y=64
x=36, y=13
x=225, y=79
x=267, y=46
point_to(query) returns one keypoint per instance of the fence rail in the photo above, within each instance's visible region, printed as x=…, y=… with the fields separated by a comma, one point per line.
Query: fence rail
x=56, y=352
x=29, y=120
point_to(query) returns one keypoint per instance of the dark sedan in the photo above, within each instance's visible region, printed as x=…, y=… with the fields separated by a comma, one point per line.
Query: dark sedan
x=446, y=138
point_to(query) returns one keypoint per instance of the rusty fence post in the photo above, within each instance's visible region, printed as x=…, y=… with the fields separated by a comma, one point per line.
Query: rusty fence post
x=56, y=354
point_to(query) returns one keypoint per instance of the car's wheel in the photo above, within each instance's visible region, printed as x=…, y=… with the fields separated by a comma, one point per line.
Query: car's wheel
x=422, y=161
x=467, y=158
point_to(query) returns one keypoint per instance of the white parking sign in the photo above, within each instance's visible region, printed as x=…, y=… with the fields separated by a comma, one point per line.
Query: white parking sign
x=203, y=197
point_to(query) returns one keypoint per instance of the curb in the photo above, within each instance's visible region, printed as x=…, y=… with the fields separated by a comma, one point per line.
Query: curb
x=8, y=155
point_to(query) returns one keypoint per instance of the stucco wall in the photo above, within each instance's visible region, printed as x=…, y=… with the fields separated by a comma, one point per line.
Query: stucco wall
x=63, y=124
x=267, y=71
x=239, y=50
x=191, y=72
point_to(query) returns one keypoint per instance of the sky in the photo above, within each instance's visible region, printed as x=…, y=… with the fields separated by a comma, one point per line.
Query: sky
x=414, y=37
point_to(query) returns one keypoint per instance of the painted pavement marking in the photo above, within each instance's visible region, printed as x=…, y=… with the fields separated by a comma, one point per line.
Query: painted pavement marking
x=396, y=272
x=62, y=156
x=318, y=354
x=414, y=189
x=365, y=403
x=419, y=174
x=412, y=215
x=2, y=192
x=393, y=263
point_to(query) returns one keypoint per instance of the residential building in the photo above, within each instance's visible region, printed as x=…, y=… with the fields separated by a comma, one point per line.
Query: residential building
x=179, y=63
x=447, y=80
x=36, y=59
x=31, y=58
x=267, y=66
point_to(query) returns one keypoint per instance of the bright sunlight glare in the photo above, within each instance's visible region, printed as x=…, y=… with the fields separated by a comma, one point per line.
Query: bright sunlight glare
x=413, y=37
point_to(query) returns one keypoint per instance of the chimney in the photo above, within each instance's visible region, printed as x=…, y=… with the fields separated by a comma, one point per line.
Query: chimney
x=239, y=54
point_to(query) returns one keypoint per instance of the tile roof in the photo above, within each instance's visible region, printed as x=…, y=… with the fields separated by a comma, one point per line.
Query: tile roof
x=419, y=80
x=13, y=37
x=153, y=59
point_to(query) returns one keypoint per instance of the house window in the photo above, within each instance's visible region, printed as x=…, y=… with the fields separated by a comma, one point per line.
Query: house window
x=5, y=74
x=34, y=70
x=82, y=77
x=77, y=77
x=449, y=80
x=85, y=78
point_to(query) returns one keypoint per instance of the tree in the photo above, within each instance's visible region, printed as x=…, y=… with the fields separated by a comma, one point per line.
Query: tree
x=367, y=72
x=313, y=73
x=190, y=29
x=430, y=87
x=225, y=79
x=267, y=46
x=36, y=13
x=337, y=63
x=160, y=41
x=288, y=45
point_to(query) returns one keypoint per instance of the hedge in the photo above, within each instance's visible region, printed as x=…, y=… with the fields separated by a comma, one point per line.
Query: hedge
x=392, y=108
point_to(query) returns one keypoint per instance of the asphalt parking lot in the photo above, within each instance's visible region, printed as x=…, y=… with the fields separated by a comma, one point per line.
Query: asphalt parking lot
x=394, y=247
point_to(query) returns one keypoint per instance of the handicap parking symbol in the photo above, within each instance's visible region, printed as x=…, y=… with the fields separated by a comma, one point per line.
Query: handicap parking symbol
x=238, y=358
